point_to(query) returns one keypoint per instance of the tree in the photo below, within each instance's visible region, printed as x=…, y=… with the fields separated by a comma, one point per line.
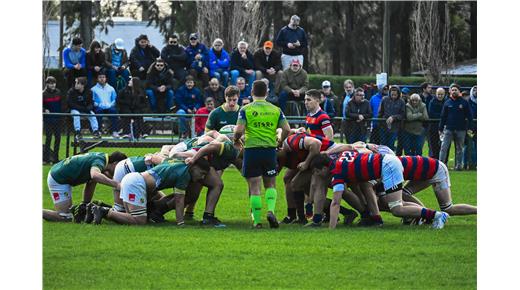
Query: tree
x=49, y=10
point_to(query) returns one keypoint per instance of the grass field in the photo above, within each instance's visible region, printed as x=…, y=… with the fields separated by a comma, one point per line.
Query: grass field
x=111, y=256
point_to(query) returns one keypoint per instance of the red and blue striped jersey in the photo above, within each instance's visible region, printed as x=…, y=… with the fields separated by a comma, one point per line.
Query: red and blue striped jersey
x=352, y=166
x=419, y=167
x=317, y=122
x=298, y=152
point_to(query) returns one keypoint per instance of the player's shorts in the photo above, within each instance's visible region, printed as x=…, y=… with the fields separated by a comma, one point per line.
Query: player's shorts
x=133, y=189
x=392, y=172
x=441, y=179
x=59, y=192
x=383, y=149
x=123, y=167
x=259, y=162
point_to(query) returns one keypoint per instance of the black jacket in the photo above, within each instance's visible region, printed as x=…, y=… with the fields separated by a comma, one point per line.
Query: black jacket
x=175, y=56
x=263, y=62
x=142, y=57
x=156, y=78
x=218, y=95
x=354, y=109
x=128, y=103
x=80, y=101
x=240, y=64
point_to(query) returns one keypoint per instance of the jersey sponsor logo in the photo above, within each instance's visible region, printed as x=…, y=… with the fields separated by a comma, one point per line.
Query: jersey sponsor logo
x=131, y=197
x=263, y=124
x=141, y=200
x=56, y=195
x=271, y=172
x=255, y=113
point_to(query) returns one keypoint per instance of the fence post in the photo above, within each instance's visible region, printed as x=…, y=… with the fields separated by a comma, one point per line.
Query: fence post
x=192, y=125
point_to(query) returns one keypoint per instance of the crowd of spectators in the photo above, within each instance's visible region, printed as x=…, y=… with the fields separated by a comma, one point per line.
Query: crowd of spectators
x=192, y=79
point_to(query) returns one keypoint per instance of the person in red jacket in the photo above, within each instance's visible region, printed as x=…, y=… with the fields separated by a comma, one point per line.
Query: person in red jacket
x=200, y=122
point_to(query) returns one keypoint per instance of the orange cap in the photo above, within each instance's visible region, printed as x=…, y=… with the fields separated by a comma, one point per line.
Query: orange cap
x=268, y=44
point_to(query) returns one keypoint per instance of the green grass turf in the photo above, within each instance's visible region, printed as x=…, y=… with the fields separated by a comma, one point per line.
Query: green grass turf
x=111, y=256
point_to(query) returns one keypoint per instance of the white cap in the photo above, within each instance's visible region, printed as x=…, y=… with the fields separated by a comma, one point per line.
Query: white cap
x=120, y=43
x=325, y=84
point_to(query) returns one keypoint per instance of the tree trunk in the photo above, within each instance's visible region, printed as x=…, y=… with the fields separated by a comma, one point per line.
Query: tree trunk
x=301, y=11
x=336, y=49
x=85, y=26
x=278, y=21
x=473, y=28
x=386, y=38
x=405, y=39
x=60, y=47
x=145, y=12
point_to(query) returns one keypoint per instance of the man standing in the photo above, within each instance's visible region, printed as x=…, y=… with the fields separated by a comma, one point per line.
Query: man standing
x=52, y=100
x=293, y=41
x=104, y=96
x=259, y=121
x=227, y=114
x=455, y=116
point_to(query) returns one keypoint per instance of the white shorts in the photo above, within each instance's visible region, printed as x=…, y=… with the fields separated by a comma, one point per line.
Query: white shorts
x=133, y=189
x=59, y=192
x=123, y=167
x=392, y=172
x=441, y=179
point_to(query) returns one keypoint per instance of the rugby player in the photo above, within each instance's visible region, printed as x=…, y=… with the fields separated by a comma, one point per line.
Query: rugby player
x=227, y=113
x=317, y=121
x=259, y=121
x=136, y=188
x=352, y=166
x=91, y=169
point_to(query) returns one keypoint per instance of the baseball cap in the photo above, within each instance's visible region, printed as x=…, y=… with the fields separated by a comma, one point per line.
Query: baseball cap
x=454, y=85
x=119, y=43
x=325, y=84
x=194, y=36
x=295, y=61
x=406, y=91
x=268, y=44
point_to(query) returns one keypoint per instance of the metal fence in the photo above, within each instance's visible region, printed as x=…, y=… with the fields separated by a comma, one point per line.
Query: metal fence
x=142, y=133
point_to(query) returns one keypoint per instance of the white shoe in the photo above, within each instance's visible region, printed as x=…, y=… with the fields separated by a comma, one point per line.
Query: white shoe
x=116, y=135
x=440, y=220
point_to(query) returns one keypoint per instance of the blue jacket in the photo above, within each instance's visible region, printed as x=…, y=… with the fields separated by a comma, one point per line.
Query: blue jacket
x=455, y=114
x=435, y=108
x=240, y=64
x=244, y=94
x=193, y=51
x=473, y=108
x=218, y=63
x=287, y=35
x=104, y=96
x=329, y=108
x=82, y=59
x=188, y=99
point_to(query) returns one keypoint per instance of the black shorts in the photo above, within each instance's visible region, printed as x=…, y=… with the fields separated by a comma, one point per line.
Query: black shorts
x=259, y=162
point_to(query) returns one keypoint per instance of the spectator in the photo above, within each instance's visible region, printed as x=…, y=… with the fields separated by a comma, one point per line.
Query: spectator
x=327, y=105
x=413, y=135
x=400, y=135
x=216, y=91
x=405, y=95
x=188, y=99
x=142, y=56
x=198, y=59
x=293, y=41
x=455, y=116
x=242, y=64
x=52, y=101
x=294, y=84
x=80, y=102
x=95, y=61
x=75, y=60
x=326, y=89
x=175, y=57
x=271, y=97
x=227, y=114
x=472, y=132
x=219, y=62
x=105, y=96
x=358, y=111
x=160, y=87
x=133, y=100
x=116, y=64
x=426, y=93
x=245, y=91
x=200, y=122
x=246, y=101
x=348, y=94
x=392, y=109
x=268, y=64
x=375, y=102
x=434, y=112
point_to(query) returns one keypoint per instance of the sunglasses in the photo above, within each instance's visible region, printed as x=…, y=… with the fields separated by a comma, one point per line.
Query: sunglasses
x=159, y=65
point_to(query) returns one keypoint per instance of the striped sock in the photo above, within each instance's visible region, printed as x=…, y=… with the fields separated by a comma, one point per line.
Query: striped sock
x=427, y=214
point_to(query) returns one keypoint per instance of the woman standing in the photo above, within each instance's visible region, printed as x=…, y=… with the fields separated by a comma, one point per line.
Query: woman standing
x=132, y=100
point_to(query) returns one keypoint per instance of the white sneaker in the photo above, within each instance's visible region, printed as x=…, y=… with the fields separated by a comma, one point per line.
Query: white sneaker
x=440, y=220
x=115, y=135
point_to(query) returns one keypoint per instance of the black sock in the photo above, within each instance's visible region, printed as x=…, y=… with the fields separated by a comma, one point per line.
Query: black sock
x=345, y=211
x=299, y=198
x=291, y=212
x=365, y=214
x=317, y=218
x=207, y=215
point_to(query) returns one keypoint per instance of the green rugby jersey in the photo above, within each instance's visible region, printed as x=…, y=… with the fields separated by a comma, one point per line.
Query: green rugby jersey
x=219, y=118
x=172, y=173
x=190, y=143
x=139, y=164
x=261, y=119
x=227, y=154
x=76, y=169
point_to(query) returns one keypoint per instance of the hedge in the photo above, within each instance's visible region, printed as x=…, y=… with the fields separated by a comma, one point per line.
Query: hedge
x=336, y=81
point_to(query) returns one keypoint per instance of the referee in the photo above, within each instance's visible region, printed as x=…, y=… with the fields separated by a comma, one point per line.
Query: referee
x=259, y=121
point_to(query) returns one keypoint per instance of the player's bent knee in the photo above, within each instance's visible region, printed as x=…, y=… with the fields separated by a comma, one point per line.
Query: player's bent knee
x=395, y=205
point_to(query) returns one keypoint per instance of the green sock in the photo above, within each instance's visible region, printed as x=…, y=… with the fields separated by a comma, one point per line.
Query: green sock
x=256, y=207
x=270, y=198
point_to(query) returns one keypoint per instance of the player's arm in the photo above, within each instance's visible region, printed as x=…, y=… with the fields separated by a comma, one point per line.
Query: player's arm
x=335, y=205
x=329, y=132
x=165, y=150
x=339, y=148
x=286, y=129
x=97, y=176
x=239, y=131
x=313, y=145
x=153, y=159
x=214, y=147
x=179, y=208
x=185, y=154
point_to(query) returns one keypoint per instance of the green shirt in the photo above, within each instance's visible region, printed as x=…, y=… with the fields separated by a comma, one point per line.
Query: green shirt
x=139, y=164
x=227, y=154
x=76, y=169
x=219, y=118
x=261, y=119
x=172, y=173
x=190, y=143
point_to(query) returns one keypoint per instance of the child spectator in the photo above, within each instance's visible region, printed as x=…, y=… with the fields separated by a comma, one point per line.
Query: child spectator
x=200, y=122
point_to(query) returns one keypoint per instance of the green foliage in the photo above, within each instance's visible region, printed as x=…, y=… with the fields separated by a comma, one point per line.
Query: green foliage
x=166, y=257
